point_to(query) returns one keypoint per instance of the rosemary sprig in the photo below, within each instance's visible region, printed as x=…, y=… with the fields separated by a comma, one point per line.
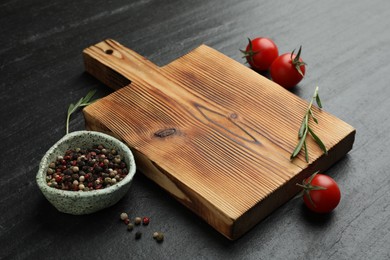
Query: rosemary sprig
x=85, y=101
x=305, y=129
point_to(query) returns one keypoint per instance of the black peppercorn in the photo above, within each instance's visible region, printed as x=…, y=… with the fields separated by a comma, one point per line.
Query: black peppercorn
x=81, y=164
x=138, y=235
x=68, y=172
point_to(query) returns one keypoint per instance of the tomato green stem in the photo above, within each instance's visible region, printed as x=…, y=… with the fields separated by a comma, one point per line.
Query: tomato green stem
x=296, y=62
x=307, y=187
x=250, y=52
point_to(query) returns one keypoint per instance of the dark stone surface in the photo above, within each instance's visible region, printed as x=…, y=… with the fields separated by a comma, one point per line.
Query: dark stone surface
x=345, y=43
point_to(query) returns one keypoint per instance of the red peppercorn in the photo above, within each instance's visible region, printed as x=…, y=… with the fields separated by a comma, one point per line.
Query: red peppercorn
x=127, y=221
x=58, y=179
x=145, y=221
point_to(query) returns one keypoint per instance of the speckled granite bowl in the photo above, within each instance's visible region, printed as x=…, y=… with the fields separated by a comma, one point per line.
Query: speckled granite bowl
x=85, y=202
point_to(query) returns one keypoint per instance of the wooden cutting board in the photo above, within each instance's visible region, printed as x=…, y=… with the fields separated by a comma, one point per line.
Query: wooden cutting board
x=213, y=133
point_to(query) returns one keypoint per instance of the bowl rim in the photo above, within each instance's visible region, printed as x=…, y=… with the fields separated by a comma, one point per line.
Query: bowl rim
x=41, y=175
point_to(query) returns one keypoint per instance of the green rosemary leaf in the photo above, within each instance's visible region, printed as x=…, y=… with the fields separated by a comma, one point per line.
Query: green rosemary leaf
x=77, y=104
x=298, y=148
x=318, y=101
x=318, y=140
x=312, y=116
x=306, y=152
x=82, y=102
x=302, y=128
x=70, y=108
x=88, y=97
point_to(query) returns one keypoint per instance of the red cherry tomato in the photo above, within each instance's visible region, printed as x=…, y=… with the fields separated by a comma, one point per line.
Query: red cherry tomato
x=288, y=69
x=260, y=53
x=321, y=193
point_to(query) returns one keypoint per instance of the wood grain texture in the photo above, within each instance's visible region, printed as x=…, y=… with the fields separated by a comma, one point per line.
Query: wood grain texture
x=215, y=134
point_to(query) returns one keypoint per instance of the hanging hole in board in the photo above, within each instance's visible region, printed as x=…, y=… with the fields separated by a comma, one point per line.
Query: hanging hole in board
x=109, y=51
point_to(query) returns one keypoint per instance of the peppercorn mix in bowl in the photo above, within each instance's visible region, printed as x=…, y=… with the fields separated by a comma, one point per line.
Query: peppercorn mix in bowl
x=85, y=172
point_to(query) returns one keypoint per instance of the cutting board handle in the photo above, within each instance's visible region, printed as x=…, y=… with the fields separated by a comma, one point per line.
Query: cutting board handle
x=117, y=65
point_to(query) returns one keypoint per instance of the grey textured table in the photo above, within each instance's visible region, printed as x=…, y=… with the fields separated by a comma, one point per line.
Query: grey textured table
x=346, y=45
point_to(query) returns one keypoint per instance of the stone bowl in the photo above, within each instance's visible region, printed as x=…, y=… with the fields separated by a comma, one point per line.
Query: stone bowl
x=85, y=202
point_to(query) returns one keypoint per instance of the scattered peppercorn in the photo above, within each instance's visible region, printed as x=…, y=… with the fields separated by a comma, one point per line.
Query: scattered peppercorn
x=124, y=216
x=137, y=221
x=145, y=221
x=86, y=169
x=158, y=236
x=130, y=226
x=138, y=235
